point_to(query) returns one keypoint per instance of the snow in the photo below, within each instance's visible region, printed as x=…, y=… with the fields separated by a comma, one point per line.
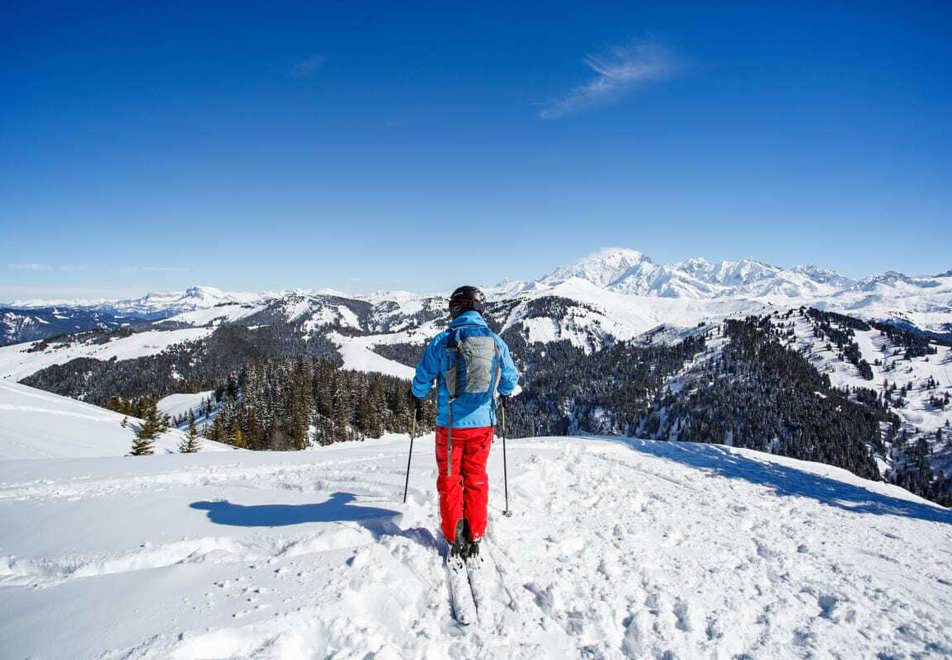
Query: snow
x=17, y=363
x=176, y=405
x=219, y=314
x=627, y=271
x=356, y=354
x=347, y=317
x=37, y=424
x=925, y=301
x=605, y=268
x=196, y=297
x=626, y=316
x=545, y=330
x=615, y=549
x=894, y=368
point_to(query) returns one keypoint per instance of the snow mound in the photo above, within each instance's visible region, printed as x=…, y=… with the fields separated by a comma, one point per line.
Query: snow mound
x=38, y=424
x=615, y=549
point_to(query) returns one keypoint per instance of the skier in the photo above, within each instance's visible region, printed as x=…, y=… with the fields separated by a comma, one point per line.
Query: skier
x=472, y=364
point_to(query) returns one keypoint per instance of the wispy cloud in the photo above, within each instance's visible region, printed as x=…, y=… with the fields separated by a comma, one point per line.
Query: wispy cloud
x=307, y=66
x=617, y=70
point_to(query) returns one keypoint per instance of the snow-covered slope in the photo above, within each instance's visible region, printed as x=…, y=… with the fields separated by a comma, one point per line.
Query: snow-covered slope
x=18, y=361
x=37, y=424
x=925, y=302
x=179, y=405
x=615, y=549
x=593, y=316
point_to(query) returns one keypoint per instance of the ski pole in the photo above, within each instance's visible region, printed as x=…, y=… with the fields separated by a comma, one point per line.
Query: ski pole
x=505, y=469
x=406, y=484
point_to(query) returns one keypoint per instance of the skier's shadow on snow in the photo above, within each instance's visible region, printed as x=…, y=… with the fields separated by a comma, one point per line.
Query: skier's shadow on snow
x=790, y=481
x=379, y=522
x=337, y=509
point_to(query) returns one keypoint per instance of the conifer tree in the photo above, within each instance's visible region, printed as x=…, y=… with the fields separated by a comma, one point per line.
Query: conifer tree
x=154, y=424
x=236, y=436
x=190, y=444
x=218, y=429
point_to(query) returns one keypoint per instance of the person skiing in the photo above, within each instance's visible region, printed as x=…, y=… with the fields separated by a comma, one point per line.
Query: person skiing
x=472, y=364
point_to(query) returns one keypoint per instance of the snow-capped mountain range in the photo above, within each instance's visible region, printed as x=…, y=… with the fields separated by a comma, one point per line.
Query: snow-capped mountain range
x=619, y=270
x=625, y=280
x=630, y=272
x=151, y=304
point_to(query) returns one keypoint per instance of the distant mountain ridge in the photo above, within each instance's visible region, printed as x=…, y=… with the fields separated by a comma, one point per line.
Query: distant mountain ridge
x=617, y=269
x=627, y=271
x=152, y=303
x=923, y=301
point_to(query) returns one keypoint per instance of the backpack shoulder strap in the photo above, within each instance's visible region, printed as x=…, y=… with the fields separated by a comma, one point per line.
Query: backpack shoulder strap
x=452, y=349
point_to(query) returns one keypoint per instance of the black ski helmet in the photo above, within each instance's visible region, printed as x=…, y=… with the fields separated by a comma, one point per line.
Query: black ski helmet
x=466, y=298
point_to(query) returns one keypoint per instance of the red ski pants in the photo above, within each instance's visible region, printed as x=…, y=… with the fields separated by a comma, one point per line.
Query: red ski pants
x=464, y=493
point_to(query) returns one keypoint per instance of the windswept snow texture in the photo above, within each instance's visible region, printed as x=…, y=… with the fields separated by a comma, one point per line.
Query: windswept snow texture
x=615, y=549
x=38, y=424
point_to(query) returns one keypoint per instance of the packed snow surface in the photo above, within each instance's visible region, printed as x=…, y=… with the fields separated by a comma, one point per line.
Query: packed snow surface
x=615, y=549
x=38, y=424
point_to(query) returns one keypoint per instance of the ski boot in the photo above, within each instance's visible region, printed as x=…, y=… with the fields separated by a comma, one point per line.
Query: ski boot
x=460, y=547
x=472, y=547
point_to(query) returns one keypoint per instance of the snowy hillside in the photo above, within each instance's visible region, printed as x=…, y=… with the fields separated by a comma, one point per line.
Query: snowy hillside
x=615, y=549
x=18, y=361
x=37, y=424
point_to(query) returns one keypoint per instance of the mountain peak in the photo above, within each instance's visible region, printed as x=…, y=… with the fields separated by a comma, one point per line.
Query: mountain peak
x=199, y=291
x=602, y=268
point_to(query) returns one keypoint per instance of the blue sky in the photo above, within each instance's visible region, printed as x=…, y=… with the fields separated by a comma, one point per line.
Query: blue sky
x=361, y=146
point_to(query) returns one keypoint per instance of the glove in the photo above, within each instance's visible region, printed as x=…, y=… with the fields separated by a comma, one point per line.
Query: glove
x=417, y=405
x=504, y=401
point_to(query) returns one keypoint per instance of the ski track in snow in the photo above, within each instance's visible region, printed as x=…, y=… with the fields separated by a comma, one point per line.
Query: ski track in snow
x=615, y=549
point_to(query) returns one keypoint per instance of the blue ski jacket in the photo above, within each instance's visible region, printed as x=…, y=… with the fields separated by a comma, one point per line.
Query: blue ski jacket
x=475, y=408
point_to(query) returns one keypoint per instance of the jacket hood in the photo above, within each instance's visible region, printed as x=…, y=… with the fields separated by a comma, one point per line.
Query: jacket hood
x=470, y=317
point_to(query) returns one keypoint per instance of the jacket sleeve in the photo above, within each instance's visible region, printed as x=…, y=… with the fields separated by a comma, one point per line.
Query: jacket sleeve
x=510, y=375
x=428, y=369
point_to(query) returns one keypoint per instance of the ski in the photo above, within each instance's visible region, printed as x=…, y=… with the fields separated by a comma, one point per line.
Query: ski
x=478, y=571
x=461, y=594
